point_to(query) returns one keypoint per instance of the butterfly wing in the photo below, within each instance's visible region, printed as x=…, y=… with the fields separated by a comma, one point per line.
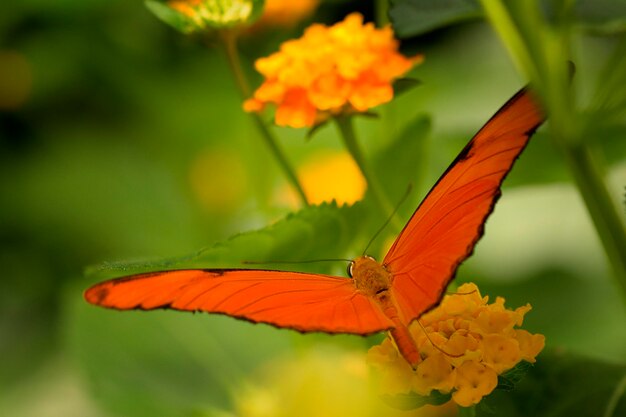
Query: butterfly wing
x=446, y=226
x=300, y=301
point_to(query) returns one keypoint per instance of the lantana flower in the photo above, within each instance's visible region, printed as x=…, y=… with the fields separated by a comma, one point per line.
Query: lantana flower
x=199, y=15
x=465, y=343
x=345, y=68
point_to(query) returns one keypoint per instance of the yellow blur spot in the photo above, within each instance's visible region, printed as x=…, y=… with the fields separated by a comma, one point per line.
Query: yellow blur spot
x=219, y=180
x=328, y=176
x=15, y=80
x=317, y=383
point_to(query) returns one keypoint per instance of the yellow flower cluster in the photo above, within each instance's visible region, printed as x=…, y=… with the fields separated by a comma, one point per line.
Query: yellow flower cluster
x=468, y=344
x=344, y=68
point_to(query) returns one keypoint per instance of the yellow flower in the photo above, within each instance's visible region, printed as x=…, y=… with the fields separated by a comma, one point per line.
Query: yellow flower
x=434, y=372
x=465, y=343
x=474, y=380
x=326, y=177
x=345, y=68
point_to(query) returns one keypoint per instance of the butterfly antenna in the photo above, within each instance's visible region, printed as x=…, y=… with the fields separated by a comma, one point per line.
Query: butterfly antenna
x=395, y=210
x=434, y=345
x=295, y=262
x=461, y=293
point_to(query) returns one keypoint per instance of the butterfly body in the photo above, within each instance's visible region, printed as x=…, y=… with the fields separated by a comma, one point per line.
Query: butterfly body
x=386, y=296
x=370, y=277
x=375, y=281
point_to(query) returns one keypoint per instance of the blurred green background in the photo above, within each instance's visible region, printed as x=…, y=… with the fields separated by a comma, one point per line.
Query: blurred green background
x=122, y=140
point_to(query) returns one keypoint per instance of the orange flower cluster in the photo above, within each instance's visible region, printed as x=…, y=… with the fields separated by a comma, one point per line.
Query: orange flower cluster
x=344, y=68
x=469, y=343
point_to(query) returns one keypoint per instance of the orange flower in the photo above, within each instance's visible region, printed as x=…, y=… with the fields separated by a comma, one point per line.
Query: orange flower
x=286, y=12
x=345, y=68
x=465, y=343
x=186, y=7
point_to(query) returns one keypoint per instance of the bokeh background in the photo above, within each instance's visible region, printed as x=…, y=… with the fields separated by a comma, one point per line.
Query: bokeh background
x=123, y=140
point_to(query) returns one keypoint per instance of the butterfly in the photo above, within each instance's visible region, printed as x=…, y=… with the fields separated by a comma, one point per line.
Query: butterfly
x=377, y=297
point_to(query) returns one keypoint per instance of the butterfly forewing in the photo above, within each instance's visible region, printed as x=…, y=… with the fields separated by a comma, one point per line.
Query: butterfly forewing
x=446, y=226
x=304, y=302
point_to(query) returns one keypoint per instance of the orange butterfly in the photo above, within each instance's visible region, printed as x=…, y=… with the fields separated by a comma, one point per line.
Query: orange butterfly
x=379, y=297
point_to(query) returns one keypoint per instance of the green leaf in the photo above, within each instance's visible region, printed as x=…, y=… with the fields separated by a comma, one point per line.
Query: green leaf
x=562, y=384
x=412, y=401
x=402, y=85
x=510, y=378
x=403, y=162
x=170, y=16
x=316, y=128
x=416, y=17
x=316, y=232
x=602, y=16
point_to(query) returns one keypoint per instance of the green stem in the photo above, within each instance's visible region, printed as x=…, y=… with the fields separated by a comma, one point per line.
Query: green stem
x=229, y=39
x=380, y=12
x=603, y=212
x=386, y=112
x=467, y=411
x=346, y=130
x=618, y=393
x=504, y=26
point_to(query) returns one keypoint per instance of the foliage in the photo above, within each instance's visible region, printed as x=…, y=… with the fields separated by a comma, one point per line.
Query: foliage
x=562, y=384
x=416, y=17
x=316, y=232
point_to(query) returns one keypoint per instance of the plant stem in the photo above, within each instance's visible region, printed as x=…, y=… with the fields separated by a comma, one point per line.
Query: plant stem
x=618, y=393
x=503, y=25
x=603, y=212
x=346, y=130
x=229, y=39
x=467, y=411
x=381, y=7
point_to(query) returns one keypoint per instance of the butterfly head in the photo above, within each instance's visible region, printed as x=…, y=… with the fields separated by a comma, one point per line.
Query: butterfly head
x=369, y=276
